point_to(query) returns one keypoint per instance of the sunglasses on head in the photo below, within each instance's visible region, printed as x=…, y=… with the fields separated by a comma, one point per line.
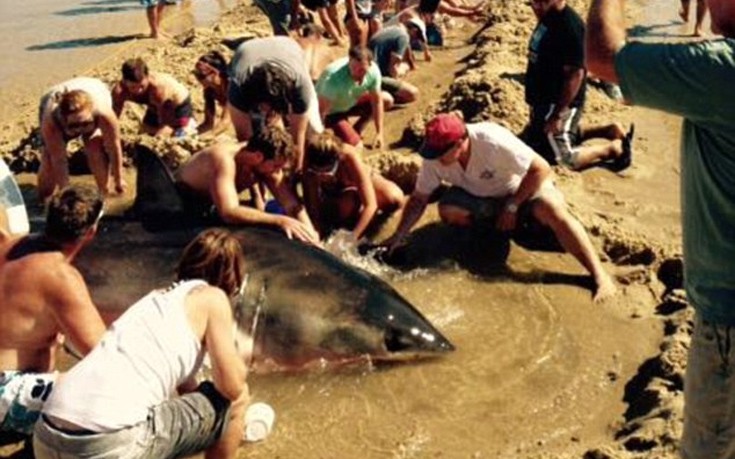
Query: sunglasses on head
x=329, y=169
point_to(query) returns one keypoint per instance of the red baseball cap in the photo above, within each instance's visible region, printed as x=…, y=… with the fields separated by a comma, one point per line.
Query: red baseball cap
x=442, y=132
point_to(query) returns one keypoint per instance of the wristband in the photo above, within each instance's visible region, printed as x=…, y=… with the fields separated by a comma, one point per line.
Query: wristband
x=511, y=207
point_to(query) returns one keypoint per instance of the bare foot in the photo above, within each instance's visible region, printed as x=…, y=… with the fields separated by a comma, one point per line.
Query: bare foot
x=697, y=32
x=684, y=14
x=606, y=289
x=160, y=35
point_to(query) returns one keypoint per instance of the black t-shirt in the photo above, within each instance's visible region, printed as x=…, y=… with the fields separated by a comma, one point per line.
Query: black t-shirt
x=558, y=40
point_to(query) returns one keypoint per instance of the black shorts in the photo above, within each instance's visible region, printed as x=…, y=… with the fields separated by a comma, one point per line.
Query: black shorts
x=314, y=5
x=181, y=115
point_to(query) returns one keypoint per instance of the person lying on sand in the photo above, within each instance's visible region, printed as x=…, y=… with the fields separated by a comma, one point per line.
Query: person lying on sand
x=342, y=192
x=167, y=101
x=79, y=108
x=218, y=174
x=496, y=177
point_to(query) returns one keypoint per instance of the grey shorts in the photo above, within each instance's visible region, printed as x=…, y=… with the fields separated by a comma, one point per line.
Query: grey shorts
x=390, y=85
x=488, y=209
x=178, y=427
x=709, y=393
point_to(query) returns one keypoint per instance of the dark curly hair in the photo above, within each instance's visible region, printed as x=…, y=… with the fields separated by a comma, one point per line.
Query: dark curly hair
x=216, y=60
x=71, y=212
x=272, y=85
x=273, y=142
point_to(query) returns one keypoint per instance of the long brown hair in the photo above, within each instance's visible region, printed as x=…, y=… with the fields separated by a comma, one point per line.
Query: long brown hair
x=215, y=256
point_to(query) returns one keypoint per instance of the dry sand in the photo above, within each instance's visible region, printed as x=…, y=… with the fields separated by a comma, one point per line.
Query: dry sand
x=632, y=217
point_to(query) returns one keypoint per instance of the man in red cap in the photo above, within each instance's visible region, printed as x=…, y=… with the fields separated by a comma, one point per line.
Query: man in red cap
x=494, y=177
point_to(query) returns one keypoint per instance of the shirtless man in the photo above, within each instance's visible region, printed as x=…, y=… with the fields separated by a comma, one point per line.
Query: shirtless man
x=168, y=101
x=341, y=191
x=80, y=107
x=42, y=297
x=221, y=172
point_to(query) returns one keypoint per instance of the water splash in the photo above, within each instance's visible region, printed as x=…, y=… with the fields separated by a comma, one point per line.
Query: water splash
x=343, y=245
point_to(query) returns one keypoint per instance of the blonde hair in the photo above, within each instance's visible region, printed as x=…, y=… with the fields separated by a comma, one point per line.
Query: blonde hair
x=215, y=256
x=322, y=149
x=74, y=101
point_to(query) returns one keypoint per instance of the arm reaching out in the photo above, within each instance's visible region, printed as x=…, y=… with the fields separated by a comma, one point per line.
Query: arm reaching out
x=604, y=37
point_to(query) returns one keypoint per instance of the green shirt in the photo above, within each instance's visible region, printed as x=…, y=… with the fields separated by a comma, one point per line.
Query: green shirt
x=337, y=86
x=697, y=82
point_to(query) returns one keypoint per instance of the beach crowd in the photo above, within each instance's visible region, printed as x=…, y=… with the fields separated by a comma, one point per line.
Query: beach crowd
x=298, y=127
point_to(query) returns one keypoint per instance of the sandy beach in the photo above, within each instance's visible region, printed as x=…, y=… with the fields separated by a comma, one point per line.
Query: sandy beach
x=616, y=390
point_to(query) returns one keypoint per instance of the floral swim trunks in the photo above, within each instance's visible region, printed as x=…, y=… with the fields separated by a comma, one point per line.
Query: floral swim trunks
x=21, y=399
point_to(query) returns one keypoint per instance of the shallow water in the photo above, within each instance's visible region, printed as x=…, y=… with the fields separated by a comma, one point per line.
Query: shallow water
x=48, y=41
x=535, y=365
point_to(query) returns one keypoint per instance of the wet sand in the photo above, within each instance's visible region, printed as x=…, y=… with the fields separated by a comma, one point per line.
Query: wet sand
x=540, y=371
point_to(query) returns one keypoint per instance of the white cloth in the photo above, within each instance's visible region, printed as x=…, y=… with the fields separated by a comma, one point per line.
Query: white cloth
x=97, y=90
x=140, y=361
x=498, y=162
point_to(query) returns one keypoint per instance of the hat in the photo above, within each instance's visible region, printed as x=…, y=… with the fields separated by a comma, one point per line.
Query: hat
x=443, y=131
x=419, y=24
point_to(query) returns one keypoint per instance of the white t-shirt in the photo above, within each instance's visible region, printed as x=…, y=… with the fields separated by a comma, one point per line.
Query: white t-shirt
x=97, y=90
x=140, y=361
x=498, y=162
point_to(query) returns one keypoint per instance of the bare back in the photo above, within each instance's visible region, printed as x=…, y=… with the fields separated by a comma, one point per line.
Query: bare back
x=42, y=296
x=203, y=169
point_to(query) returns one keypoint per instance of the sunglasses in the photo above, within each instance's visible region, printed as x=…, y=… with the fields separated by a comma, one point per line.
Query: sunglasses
x=325, y=170
x=200, y=74
x=76, y=125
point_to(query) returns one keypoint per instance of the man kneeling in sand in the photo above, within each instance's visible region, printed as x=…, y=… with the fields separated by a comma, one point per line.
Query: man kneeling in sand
x=494, y=175
x=221, y=172
x=42, y=298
